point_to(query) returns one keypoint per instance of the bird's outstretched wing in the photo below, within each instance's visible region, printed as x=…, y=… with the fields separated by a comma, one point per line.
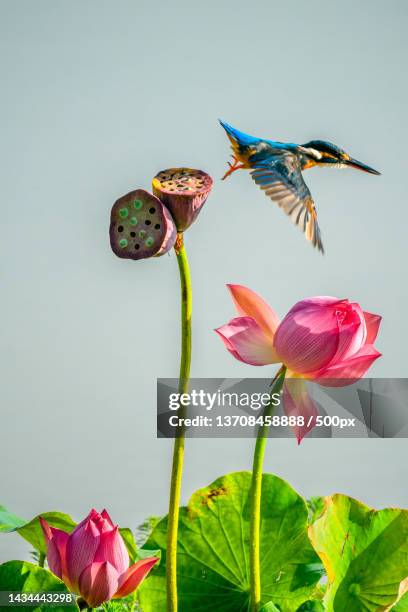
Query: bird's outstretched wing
x=281, y=179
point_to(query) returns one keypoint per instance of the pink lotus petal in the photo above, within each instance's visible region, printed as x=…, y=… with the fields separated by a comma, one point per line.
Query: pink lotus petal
x=102, y=525
x=98, y=583
x=93, y=513
x=250, y=304
x=54, y=559
x=134, y=576
x=105, y=515
x=307, y=339
x=349, y=371
x=318, y=301
x=373, y=325
x=361, y=335
x=112, y=548
x=247, y=342
x=81, y=548
x=46, y=530
x=351, y=337
x=298, y=403
x=56, y=542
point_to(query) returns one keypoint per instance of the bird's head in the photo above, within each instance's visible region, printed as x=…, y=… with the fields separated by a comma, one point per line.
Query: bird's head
x=322, y=153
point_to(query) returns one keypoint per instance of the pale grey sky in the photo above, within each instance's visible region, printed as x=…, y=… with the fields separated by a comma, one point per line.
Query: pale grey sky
x=97, y=97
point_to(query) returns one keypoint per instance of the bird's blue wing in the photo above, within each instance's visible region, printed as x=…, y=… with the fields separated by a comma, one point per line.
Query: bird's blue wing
x=281, y=178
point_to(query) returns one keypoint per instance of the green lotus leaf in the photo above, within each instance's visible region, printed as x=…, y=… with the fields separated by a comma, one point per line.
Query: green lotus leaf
x=213, y=562
x=33, y=533
x=8, y=521
x=314, y=605
x=365, y=554
x=129, y=540
x=315, y=506
x=402, y=604
x=136, y=553
x=269, y=607
x=25, y=578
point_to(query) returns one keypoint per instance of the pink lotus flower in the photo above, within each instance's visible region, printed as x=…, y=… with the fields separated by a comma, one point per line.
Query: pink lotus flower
x=93, y=560
x=323, y=339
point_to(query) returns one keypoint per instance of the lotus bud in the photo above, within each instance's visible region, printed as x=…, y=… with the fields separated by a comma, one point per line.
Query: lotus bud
x=141, y=226
x=183, y=191
x=93, y=560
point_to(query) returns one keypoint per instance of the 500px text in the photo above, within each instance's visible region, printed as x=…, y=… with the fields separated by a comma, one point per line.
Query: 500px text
x=243, y=420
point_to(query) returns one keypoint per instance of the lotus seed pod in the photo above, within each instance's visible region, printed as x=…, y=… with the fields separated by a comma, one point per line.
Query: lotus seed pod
x=184, y=192
x=141, y=226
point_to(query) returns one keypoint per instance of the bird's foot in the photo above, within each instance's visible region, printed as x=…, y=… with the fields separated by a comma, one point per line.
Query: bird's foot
x=232, y=167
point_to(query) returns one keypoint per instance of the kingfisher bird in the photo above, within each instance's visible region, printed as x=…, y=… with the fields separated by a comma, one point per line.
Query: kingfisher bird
x=277, y=168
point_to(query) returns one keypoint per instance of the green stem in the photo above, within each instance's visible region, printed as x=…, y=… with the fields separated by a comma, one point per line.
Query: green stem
x=255, y=497
x=41, y=559
x=178, y=452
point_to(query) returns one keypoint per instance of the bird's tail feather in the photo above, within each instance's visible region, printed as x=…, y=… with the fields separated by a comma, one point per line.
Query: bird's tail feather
x=244, y=140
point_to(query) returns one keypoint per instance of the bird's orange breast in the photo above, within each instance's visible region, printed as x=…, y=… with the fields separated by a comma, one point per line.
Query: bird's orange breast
x=309, y=163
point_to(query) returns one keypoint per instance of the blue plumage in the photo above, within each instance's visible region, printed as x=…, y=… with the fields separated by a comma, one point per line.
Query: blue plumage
x=241, y=138
x=246, y=140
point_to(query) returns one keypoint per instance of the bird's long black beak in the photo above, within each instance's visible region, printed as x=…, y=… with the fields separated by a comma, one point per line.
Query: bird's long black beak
x=354, y=163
